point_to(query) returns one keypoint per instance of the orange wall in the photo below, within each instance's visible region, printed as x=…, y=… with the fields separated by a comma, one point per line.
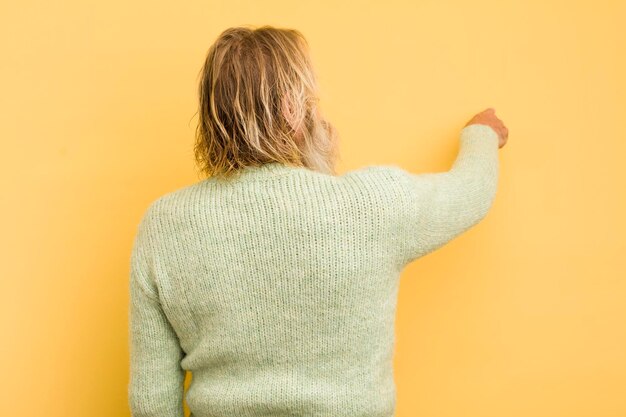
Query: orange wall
x=521, y=316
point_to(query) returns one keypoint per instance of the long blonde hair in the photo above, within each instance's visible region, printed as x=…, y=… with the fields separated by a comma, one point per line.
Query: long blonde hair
x=258, y=103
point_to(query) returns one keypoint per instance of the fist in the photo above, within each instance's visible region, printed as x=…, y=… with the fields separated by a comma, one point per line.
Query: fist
x=488, y=117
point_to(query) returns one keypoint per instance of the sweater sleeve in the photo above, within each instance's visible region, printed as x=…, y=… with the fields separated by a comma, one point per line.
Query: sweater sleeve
x=440, y=206
x=156, y=381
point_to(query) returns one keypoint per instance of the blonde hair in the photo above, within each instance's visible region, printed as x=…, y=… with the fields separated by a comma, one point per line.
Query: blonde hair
x=258, y=103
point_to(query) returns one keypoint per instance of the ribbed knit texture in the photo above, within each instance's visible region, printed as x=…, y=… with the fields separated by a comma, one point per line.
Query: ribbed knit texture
x=278, y=289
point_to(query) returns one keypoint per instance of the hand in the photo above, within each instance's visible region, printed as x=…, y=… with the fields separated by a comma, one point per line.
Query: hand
x=488, y=117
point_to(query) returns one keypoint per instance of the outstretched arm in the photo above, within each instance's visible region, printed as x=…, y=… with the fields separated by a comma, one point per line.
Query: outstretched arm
x=440, y=206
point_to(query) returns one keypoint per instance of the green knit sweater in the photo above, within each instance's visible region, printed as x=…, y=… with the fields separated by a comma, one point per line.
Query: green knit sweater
x=278, y=289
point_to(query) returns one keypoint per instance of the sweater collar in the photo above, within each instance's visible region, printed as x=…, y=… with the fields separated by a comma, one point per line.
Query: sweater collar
x=266, y=170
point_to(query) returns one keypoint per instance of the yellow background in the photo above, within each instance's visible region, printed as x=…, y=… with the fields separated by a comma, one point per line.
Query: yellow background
x=524, y=315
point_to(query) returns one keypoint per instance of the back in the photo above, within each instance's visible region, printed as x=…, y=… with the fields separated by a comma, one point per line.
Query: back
x=278, y=290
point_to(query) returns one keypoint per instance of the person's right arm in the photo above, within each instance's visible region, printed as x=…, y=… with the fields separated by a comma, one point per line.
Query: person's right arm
x=437, y=207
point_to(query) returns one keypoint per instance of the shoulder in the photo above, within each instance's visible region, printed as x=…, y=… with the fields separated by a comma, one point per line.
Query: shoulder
x=384, y=172
x=173, y=201
x=388, y=178
x=166, y=207
x=385, y=188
